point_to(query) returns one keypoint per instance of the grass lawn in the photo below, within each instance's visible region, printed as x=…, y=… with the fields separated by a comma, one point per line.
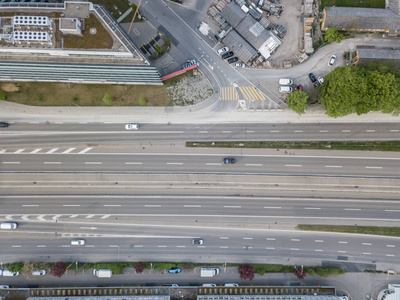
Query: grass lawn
x=353, y=3
x=313, y=145
x=114, y=6
x=387, y=231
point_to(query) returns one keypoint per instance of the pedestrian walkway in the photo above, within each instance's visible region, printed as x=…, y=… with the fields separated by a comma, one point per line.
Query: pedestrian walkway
x=124, y=15
x=229, y=93
x=251, y=93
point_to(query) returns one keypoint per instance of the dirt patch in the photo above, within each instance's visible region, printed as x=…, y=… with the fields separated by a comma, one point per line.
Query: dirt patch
x=190, y=89
x=10, y=87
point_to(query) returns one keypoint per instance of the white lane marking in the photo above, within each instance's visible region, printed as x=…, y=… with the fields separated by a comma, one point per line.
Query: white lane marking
x=189, y=205
x=11, y=162
x=391, y=255
x=69, y=150
x=82, y=122
x=370, y=130
x=30, y=205
x=227, y=131
x=274, y=131
x=323, y=131
x=19, y=151
x=247, y=238
x=319, y=250
x=367, y=244
x=52, y=150
x=58, y=122
x=254, y=165
x=71, y=205
x=162, y=246
x=271, y=239
x=245, y=247
x=298, y=131
x=342, y=242
x=138, y=246
x=89, y=246
x=294, y=249
x=36, y=150
x=393, y=210
x=224, y=238
x=133, y=163
x=16, y=246
x=112, y=205
x=3, y=151
x=52, y=163
x=223, y=247
x=213, y=164
x=341, y=251
x=174, y=163
x=293, y=165
x=316, y=208
x=114, y=246
x=319, y=241
x=390, y=246
x=93, y=163
x=278, y=207
x=152, y=205
x=232, y=206
x=85, y=150
x=333, y=166
x=366, y=253
x=352, y=209
x=65, y=246
x=269, y=248
x=41, y=246
x=394, y=130
x=203, y=131
x=250, y=131
x=346, y=130
x=105, y=216
x=33, y=122
x=373, y=167
x=89, y=216
x=73, y=216
x=295, y=240
x=181, y=246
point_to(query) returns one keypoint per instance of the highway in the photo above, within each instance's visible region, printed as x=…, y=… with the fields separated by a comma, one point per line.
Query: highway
x=42, y=133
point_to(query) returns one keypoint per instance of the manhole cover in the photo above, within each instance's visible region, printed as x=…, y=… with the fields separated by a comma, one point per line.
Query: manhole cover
x=93, y=30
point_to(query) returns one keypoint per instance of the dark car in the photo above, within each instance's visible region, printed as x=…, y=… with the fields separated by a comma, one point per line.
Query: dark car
x=317, y=84
x=227, y=55
x=300, y=87
x=3, y=124
x=228, y=160
x=197, y=242
x=312, y=77
x=232, y=60
x=174, y=270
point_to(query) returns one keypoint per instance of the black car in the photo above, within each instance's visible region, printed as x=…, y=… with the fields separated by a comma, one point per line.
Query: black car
x=312, y=77
x=228, y=160
x=227, y=55
x=3, y=124
x=232, y=60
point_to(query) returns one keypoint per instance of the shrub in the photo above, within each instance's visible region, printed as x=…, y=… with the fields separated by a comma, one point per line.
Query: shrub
x=2, y=95
x=246, y=272
x=142, y=100
x=139, y=267
x=16, y=267
x=108, y=99
x=167, y=42
x=58, y=269
x=159, y=49
x=327, y=271
x=310, y=271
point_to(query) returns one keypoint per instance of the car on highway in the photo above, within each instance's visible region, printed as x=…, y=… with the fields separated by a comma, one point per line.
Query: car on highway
x=227, y=55
x=228, y=160
x=197, y=242
x=222, y=50
x=78, y=242
x=8, y=225
x=240, y=65
x=233, y=59
x=312, y=77
x=39, y=272
x=132, y=126
x=231, y=284
x=332, y=60
x=3, y=124
x=174, y=270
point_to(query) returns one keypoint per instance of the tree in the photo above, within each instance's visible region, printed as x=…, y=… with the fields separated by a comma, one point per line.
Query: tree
x=142, y=100
x=108, y=99
x=28, y=268
x=300, y=272
x=332, y=35
x=298, y=101
x=246, y=272
x=58, y=269
x=139, y=267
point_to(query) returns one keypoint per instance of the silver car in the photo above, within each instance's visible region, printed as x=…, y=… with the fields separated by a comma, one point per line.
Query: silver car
x=132, y=126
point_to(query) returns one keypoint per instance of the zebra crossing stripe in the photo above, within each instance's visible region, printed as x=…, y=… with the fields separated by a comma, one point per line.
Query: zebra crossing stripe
x=19, y=151
x=69, y=150
x=36, y=150
x=3, y=151
x=52, y=150
x=105, y=216
x=86, y=150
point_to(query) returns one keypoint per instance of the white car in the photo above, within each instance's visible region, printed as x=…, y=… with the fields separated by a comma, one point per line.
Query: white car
x=231, y=284
x=78, y=242
x=4, y=287
x=222, y=50
x=240, y=65
x=39, y=272
x=321, y=79
x=132, y=126
x=332, y=60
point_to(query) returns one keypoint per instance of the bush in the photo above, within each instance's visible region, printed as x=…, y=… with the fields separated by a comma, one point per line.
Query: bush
x=108, y=99
x=327, y=271
x=167, y=42
x=310, y=271
x=58, y=269
x=16, y=267
x=142, y=100
x=2, y=95
x=246, y=272
x=163, y=266
x=116, y=268
x=159, y=49
x=139, y=267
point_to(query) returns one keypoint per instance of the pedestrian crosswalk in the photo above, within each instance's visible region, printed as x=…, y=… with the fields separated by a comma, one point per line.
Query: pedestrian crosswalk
x=229, y=93
x=241, y=93
x=46, y=151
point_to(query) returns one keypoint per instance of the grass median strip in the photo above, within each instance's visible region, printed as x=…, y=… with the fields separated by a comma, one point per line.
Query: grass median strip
x=386, y=231
x=314, y=145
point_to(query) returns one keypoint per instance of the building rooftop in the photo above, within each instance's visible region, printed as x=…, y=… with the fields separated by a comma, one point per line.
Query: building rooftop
x=242, y=49
x=378, y=54
x=233, y=14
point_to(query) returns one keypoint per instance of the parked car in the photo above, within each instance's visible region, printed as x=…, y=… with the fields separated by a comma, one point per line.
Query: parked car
x=285, y=89
x=222, y=50
x=240, y=65
x=227, y=55
x=9, y=273
x=4, y=287
x=316, y=84
x=197, y=242
x=321, y=79
x=231, y=284
x=312, y=77
x=228, y=160
x=300, y=87
x=233, y=59
x=3, y=124
x=285, y=81
x=174, y=270
x=332, y=60
x=39, y=272
x=132, y=126
x=209, y=285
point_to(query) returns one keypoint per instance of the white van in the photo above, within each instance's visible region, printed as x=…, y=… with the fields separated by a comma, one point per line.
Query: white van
x=285, y=89
x=209, y=284
x=39, y=272
x=285, y=81
x=102, y=273
x=231, y=284
x=9, y=273
x=8, y=225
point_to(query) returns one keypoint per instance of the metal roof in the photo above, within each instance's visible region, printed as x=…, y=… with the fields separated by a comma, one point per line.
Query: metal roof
x=253, y=32
x=240, y=46
x=378, y=54
x=233, y=14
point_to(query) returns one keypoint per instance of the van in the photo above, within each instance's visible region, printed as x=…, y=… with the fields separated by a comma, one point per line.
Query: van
x=285, y=81
x=208, y=272
x=209, y=285
x=9, y=273
x=8, y=225
x=39, y=272
x=285, y=89
x=231, y=284
x=102, y=273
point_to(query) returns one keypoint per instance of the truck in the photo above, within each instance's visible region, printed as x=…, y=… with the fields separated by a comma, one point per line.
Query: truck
x=102, y=273
x=208, y=272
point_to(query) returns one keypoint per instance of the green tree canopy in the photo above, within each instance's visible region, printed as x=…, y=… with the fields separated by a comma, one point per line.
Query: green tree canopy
x=332, y=35
x=298, y=101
